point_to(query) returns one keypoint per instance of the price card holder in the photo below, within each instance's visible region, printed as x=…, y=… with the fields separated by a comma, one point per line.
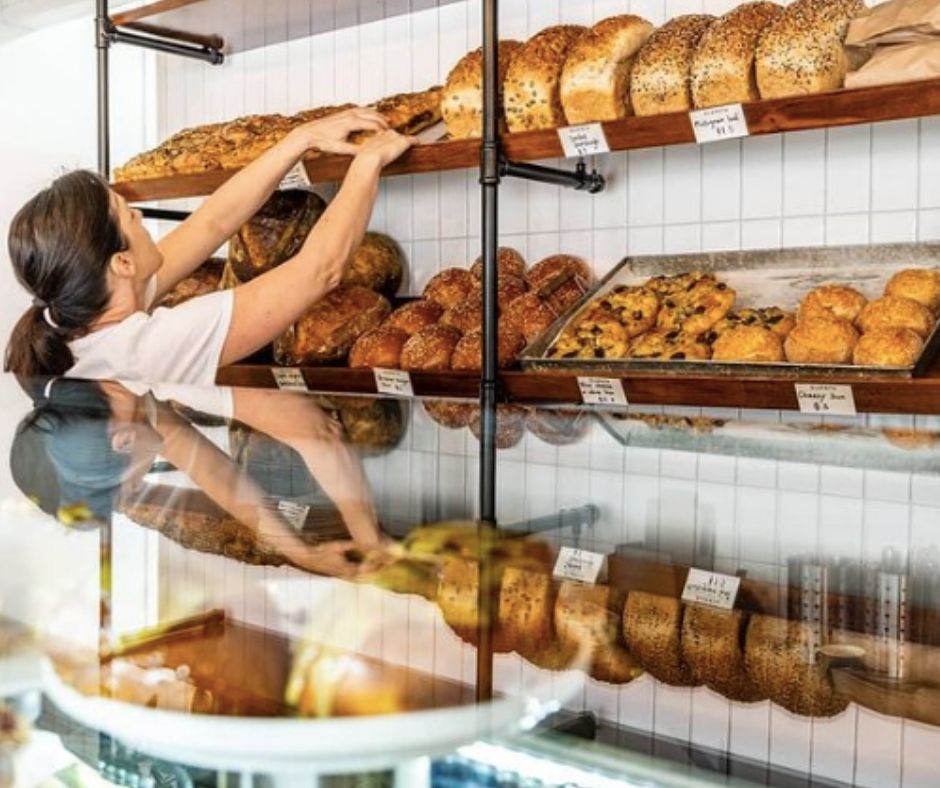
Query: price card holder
x=581, y=565
x=711, y=588
x=719, y=123
x=295, y=513
x=584, y=140
x=826, y=399
x=296, y=178
x=289, y=379
x=396, y=382
x=602, y=391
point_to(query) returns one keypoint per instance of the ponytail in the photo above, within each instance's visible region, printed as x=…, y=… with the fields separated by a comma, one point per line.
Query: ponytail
x=36, y=347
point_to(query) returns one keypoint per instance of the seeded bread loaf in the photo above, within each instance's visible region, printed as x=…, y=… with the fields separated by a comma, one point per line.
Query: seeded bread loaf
x=462, y=99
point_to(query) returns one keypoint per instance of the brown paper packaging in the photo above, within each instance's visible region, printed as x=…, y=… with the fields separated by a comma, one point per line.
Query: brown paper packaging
x=896, y=22
x=899, y=63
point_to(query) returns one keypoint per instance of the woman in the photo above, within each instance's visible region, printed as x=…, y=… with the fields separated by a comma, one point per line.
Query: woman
x=95, y=273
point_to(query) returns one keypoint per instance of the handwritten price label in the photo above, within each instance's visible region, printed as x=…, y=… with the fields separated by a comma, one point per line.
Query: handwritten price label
x=396, y=382
x=719, y=123
x=825, y=399
x=584, y=140
x=295, y=513
x=602, y=391
x=581, y=565
x=711, y=588
x=289, y=379
x=296, y=178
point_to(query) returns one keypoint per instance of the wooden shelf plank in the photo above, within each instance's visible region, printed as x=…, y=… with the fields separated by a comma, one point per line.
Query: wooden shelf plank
x=842, y=108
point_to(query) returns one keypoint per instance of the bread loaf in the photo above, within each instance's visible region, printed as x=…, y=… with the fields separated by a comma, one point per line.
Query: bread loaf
x=801, y=50
x=723, y=63
x=206, y=279
x=462, y=99
x=659, y=82
x=712, y=648
x=651, y=628
x=378, y=264
x=530, y=91
x=526, y=605
x=380, y=347
x=595, y=81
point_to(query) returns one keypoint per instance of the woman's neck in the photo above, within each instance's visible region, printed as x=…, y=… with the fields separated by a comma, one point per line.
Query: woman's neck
x=127, y=297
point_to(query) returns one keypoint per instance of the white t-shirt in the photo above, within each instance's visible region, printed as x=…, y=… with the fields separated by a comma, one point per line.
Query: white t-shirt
x=178, y=345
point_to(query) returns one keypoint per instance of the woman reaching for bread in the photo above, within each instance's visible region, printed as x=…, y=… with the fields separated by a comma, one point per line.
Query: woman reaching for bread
x=95, y=273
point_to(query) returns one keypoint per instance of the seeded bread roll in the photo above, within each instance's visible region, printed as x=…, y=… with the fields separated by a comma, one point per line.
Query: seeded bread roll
x=595, y=82
x=529, y=315
x=723, y=64
x=659, y=82
x=415, y=315
x=712, y=647
x=465, y=316
x=530, y=91
x=380, y=347
x=468, y=352
x=462, y=100
x=801, y=51
x=450, y=287
x=508, y=289
x=430, y=348
x=508, y=263
x=447, y=413
x=651, y=628
x=510, y=425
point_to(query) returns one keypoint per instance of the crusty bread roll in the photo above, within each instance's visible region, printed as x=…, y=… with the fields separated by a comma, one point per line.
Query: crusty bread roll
x=430, y=348
x=415, y=315
x=801, y=50
x=723, y=63
x=378, y=264
x=380, y=347
x=462, y=100
x=508, y=263
x=659, y=82
x=531, y=88
x=449, y=287
x=467, y=354
x=595, y=82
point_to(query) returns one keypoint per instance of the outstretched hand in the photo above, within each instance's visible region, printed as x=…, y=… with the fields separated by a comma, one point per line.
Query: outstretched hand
x=330, y=134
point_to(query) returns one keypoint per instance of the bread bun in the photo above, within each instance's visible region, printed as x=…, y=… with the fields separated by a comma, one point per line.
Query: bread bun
x=453, y=415
x=919, y=284
x=530, y=91
x=651, y=628
x=508, y=263
x=561, y=280
x=450, y=287
x=888, y=347
x=430, y=348
x=557, y=426
x=595, y=81
x=801, y=51
x=723, y=64
x=468, y=353
x=829, y=302
x=462, y=99
x=713, y=650
x=748, y=343
x=378, y=264
x=508, y=289
x=821, y=341
x=660, y=79
x=381, y=347
x=529, y=315
x=510, y=425
x=206, y=279
x=415, y=315
x=465, y=316
x=894, y=312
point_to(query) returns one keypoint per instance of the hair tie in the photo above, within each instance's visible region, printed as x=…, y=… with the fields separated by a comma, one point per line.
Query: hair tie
x=47, y=316
x=39, y=303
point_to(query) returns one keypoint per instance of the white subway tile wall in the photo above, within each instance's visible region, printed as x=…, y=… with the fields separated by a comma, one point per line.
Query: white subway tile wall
x=854, y=185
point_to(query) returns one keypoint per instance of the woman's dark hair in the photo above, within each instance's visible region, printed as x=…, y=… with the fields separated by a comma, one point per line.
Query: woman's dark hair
x=60, y=243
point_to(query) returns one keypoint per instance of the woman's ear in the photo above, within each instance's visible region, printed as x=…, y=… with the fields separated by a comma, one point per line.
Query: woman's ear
x=122, y=265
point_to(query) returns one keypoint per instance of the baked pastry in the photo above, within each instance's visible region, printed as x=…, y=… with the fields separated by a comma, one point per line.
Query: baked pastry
x=635, y=307
x=508, y=263
x=430, y=348
x=508, y=289
x=664, y=285
x=557, y=268
x=819, y=340
x=748, y=343
x=467, y=354
x=696, y=309
x=381, y=347
x=557, y=426
x=407, y=113
x=465, y=316
x=415, y=315
x=769, y=317
x=670, y=345
x=801, y=50
x=894, y=312
x=593, y=337
x=462, y=99
x=530, y=92
x=723, y=64
x=378, y=264
x=274, y=234
x=205, y=279
x=832, y=301
x=526, y=608
x=888, y=347
x=449, y=287
x=919, y=284
x=510, y=425
x=651, y=628
x=529, y=315
x=713, y=649
x=595, y=81
x=659, y=82
x=447, y=413
x=327, y=330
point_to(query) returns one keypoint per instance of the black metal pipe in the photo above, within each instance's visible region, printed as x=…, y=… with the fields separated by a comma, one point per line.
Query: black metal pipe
x=102, y=42
x=205, y=53
x=164, y=214
x=580, y=179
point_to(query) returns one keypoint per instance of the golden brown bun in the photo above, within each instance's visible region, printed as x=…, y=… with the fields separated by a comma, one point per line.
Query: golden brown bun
x=529, y=315
x=465, y=316
x=206, y=279
x=430, y=348
x=557, y=426
x=821, y=341
x=595, y=82
x=723, y=64
x=510, y=425
x=526, y=607
x=452, y=415
x=450, y=287
x=378, y=264
x=462, y=99
x=801, y=52
x=748, y=343
x=329, y=328
x=829, y=302
x=561, y=279
x=894, y=312
x=508, y=263
x=919, y=284
x=888, y=347
x=530, y=91
x=508, y=289
x=712, y=647
x=380, y=347
x=660, y=79
x=415, y=315
x=467, y=354
x=651, y=628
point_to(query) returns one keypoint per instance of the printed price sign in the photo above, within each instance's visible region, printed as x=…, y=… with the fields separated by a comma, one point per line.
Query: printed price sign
x=719, y=123
x=584, y=140
x=396, y=382
x=711, y=588
x=297, y=178
x=581, y=565
x=602, y=391
x=289, y=379
x=295, y=513
x=826, y=399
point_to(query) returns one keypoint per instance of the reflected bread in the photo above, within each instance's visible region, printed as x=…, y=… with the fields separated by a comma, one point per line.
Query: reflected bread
x=893, y=312
x=712, y=647
x=918, y=284
x=651, y=628
x=378, y=264
x=821, y=341
x=888, y=347
x=453, y=415
x=526, y=608
x=462, y=98
x=557, y=426
x=381, y=347
x=510, y=425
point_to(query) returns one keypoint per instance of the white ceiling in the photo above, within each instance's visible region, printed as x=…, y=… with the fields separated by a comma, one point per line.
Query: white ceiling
x=18, y=17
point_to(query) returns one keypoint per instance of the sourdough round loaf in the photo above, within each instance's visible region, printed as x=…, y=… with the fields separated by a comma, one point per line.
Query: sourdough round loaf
x=462, y=99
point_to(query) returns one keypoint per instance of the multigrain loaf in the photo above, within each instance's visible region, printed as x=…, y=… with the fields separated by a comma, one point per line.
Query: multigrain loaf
x=723, y=63
x=659, y=81
x=595, y=81
x=462, y=99
x=531, y=89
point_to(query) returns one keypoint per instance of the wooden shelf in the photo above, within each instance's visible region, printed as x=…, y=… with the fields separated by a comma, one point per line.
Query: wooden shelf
x=827, y=110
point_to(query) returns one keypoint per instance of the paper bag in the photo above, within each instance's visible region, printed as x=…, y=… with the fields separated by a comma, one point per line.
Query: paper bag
x=896, y=22
x=899, y=63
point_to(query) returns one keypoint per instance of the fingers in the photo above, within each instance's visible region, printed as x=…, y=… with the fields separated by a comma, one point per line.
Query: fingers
x=369, y=114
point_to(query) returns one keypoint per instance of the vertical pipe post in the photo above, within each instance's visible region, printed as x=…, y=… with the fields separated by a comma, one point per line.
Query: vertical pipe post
x=101, y=45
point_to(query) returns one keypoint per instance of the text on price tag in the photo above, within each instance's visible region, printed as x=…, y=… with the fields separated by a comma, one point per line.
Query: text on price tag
x=584, y=140
x=289, y=379
x=711, y=588
x=296, y=178
x=295, y=513
x=719, y=123
x=396, y=382
x=829, y=399
x=581, y=565
x=602, y=391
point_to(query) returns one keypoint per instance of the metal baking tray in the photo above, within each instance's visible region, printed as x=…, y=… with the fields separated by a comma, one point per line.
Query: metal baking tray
x=766, y=277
